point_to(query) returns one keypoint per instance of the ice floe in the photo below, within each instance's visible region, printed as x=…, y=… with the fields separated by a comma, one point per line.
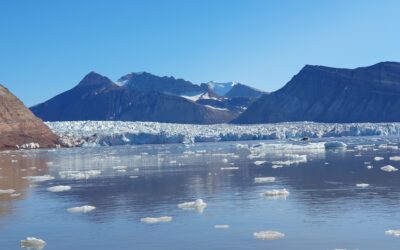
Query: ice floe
x=199, y=205
x=388, y=168
x=276, y=192
x=79, y=175
x=229, y=168
x=394, y=158
x=362, y=185
x=264, y=179
x=378, y=158
x=82, y=209
x=40, y=178
x=152, y=220
x=33, y=243
x=7, y=191
x=59, y=188
x=259, y=162
x=395, y=233
x=291, y=159
x=268, y=235
x=221, y=226
x=335, y=145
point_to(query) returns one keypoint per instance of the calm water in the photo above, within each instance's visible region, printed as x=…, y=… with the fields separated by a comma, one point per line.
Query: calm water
x=325, y=209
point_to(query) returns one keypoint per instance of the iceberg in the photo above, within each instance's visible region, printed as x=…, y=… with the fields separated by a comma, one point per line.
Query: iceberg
x=152, y=220
x=7, y=191
x=221, y=226
x=378, y=158
x=394, y=158
x=82, y=209
x=259, y=162
x=395, y=233
x=362, y=185
x=79, y=175
x=33, y=243
x=389, y=168
x=199, y=205
x=59, y=188
x=264, y=179
x=268, y=235
x=335, y=145
x=40, y=178
x=277, y=192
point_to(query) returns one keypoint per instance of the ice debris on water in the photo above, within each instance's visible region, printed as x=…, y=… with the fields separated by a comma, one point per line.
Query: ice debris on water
x=388, y=168
x=229, y=168
x=59, y=188
x=394, y=158
x=152, y=220
x=378, y=158
x=79, y=175
x=221, y=226
x=33, y=243
x=276, y=192
x=268, y=235
x=264, y=179
x=370, y=167
x=41, y=178
x=82, y=209
x=335, y=145
x=291, y=159
x=395, y=233
x=7, y=191
x=199, y=205
x=277, y=166
x=362, y=185
x=259, y=162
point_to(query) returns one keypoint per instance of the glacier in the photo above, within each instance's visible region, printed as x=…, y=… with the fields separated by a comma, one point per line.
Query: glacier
x=109, y=133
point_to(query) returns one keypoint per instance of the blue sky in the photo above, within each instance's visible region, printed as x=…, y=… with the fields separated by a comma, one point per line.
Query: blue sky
x=46, y=47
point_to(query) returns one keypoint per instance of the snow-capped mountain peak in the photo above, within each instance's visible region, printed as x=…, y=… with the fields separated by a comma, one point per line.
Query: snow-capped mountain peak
x=221, y=88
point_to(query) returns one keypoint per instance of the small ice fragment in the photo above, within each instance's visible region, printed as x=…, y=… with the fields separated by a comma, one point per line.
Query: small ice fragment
x=229, y=168
x=152, y=220
x=264, y=179
x=221, y=226
x=334, y=145
x=224, y=160
x=119, y=167
x=388, y=168
x=82, y=209
x=276, y=192
x=268, y=235
x=59, y=188
x=199, y=205
x=121, y=170
x=370, y=167
x=15, y=195
x=277, y=166
x=395, y=233
x=378, y=158
x=172, y=162
x=40, y=178
x=259, y=162
x=362, y=185
x=7, y=191
x=33, y=243
x=133, y=176
x=394, y=158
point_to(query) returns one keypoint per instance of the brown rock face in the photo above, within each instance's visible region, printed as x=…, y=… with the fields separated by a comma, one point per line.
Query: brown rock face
x=19, y=126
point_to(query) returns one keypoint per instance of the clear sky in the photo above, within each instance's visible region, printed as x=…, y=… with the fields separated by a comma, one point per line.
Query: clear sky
x=47, y=46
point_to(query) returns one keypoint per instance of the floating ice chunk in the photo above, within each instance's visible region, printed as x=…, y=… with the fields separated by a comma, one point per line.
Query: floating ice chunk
x=7, y=191
x=385, y=146
x=221, y=226
x=229, y=168
x=121, y=170
x=378, y=158
x=224, y=160
x=362, y=185
x=394, y=158
x=120, y=167
x=277, y=166
x=152, y=220
x=199, y=205
x=79, y=175
x=59, y=188
x=268, y=235
x=133, y=176
x=395, y=233
x=15, y=195
x=276, y=192
x=33, y=243
x=292, y=159
x=259, y=162
x=370, y=167
x=82, y=209
x=334, y=145
x=264, y=179
x=388, y=168
x=172, y=162
x=40, y=178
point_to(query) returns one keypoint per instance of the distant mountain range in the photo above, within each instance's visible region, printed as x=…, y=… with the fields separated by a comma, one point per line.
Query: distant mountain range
x=324, y=94
x=145, y=97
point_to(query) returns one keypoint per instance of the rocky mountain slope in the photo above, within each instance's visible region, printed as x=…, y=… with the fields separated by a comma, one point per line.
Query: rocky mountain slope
x=19, y=128
x=325, y=94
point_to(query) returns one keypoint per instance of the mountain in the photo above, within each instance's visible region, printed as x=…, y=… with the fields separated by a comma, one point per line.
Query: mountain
x=144, y=81
x=241, y=90
x=19, y=127
x=325, y=94
x=97, y=98
x=221, y=88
